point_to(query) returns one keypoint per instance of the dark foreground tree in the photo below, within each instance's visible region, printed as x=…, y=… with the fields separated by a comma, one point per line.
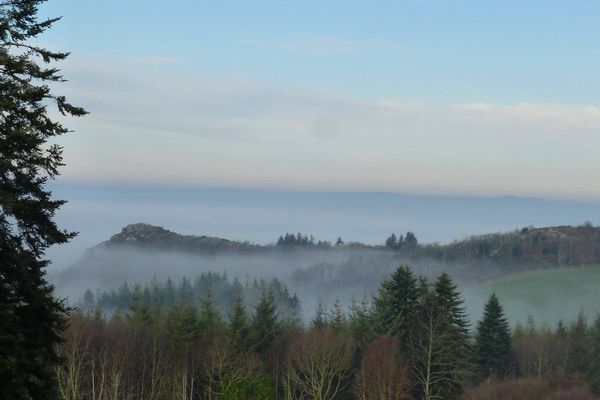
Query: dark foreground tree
x=492, y=346
x=396, y=304
x=30, y=317
x=265, y=326
x=593, y=371
x=457, y=360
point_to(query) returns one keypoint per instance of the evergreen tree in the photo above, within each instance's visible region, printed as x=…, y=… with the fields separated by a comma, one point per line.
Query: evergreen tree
x=457, y=358
x=391, y=242
x=265, y=326
x=337, y=321
x=182, y=325
x=209, y=320
x=117, y=317
x=293, y=320
x=31, y=319
x=561, y=330
x=360, y=323
x=319, y=321
x=169, y=292
x=578, y=345
x=492, y=347
x=88, y=302
x=396, y=304
x=518, y=333
x=238, y=324
x=593, y=371
x=530, y=328
x=98, y=314
x=410, y=239
x=140, y=311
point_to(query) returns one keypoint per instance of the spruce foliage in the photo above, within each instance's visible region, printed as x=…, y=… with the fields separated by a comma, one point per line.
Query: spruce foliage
x=209, y=320
x=31, y=319
x=182, y=326
x=578, y=345
x=238, y=324
x=451, y=308
x=265, y=325
x=360, y=323
x=319, y=320
x=140, y=311
x=593, y=371
x=338, y=322
x=397, y=303
x=492, y=347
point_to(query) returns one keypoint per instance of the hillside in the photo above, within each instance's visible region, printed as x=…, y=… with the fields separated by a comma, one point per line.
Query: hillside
x=142, y=252
x=145, y=236
x=551, y=246
x=512, y=251
x=548, y=295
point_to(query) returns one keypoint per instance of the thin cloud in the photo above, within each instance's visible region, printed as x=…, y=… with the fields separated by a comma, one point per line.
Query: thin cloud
x=314, y=45
x=154, y=59
x=240, y=131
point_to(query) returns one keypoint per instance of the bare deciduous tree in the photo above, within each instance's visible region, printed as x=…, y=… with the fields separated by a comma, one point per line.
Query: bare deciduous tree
x=226, y=368
x=70, y=374
x=318, y=365
x=430, y=347
x=382, y=375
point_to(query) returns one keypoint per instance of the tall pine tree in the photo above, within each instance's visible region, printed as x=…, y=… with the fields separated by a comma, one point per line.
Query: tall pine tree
x=209, y=320
x=30, y=317
x=578, y=345
x=360, y=323
x=239, y=327
x=265, y=326
x=140, y=311
x=457, y=358
x=593, y=371
x=319, y=320
x=492, y=342
x=338, y=322
x=182, y=325
x=396, y=304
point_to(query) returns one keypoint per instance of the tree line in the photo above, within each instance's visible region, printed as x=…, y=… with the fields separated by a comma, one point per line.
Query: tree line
x=158, y=297
x=412, y=340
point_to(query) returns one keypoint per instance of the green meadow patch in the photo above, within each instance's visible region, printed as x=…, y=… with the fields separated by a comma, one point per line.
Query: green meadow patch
x=547, y=295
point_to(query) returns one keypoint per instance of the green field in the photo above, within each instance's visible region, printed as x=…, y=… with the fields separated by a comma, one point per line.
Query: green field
x=548, y=295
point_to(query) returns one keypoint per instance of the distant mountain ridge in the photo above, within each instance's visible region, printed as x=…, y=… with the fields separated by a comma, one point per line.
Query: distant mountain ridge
x=142, y=253
x=557, y=245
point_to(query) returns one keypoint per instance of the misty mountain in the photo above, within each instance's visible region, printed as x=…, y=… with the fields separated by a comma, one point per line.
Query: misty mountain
x=159, y=239
x=317, y=271
x=260, y=216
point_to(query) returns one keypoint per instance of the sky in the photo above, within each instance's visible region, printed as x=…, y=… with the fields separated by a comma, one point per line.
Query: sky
x=476, y=98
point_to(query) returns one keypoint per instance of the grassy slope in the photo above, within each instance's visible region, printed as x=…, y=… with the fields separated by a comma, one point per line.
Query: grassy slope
x=548, y=295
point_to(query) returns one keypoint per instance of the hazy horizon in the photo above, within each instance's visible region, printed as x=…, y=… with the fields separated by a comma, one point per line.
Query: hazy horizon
x=261, y=216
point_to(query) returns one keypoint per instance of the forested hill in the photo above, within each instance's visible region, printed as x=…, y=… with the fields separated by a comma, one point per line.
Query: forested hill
x=561, y=245
x=141, y=253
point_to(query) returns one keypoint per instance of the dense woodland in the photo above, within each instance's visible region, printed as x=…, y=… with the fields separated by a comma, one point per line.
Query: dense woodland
x=410, y=341
x=212, y=287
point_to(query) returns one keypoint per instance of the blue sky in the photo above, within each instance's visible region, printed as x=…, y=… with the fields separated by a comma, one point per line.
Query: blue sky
x=461, y=97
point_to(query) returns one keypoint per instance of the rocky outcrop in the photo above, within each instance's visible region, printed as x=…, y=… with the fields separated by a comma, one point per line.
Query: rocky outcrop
x=155, y=237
